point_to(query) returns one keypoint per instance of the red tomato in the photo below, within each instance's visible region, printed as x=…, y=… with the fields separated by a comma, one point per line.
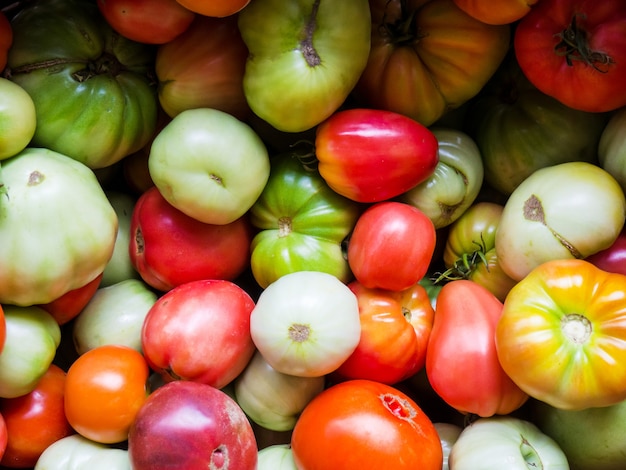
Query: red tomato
x=496, y=11
x=218, y=8
x=6, y=39
x=168, y=248
x=371, y=155
x=365, y=424
x=391, y=246
x=613, y=258
x=395, y=327
x=3, y=436
x=204, y=67
x=575, y=51
x=70, y=304
x=35, y=420
x=104, y=389
x=147, y=21
x=461, y=360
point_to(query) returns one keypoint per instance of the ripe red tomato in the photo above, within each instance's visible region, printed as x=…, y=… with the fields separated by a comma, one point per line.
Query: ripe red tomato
x=575, y=51
x=371, y=155
x=217, y=8
x=70, y=304
x=613, y=258
x=6, y=39
x=147, y=21
x=461, y=360
x=36, y=420
x=104, y=389
x=168, y=248
x=365, y=424
x=395, y=327
x=391, y=246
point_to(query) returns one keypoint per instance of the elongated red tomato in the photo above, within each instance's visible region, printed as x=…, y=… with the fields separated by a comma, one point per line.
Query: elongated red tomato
x=575, y=51
x=461, y=360
x=371, y=155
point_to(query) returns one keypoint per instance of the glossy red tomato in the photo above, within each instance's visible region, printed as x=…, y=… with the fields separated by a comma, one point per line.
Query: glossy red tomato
x=371, y=155
x=391, y=246
x=104, y=389
x=147, y=21
x=6, y=39
x=36, y=420
x=363, y=424
x=613, y=258
x=70, y=304
x=395, y=327
x=575, y=51
x=461, y=360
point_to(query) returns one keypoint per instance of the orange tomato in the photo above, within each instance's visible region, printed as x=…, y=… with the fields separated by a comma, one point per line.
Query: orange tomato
x=3, y=329
x=6, y=39
x=496, y=11
x=365, y=424
x=104, y=389
x=217, y=8
x=35, y=420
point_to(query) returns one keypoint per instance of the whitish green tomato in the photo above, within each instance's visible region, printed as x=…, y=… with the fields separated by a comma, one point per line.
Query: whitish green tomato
x=276, y=457
x=76, y=452
x=209, y=165
x=305, y=57
x=17, y=119
x=565, y=211
x=57, y=227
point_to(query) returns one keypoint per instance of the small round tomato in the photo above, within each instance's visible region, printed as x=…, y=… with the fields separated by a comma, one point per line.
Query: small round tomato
x=217, y=8
x=365, y=424
x=147, y=21
x=36, y=420
x=104, y=389
x=391, y=246
x=395, y=327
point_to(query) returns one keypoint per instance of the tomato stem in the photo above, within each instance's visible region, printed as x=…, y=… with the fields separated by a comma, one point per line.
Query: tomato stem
x=306, y=45
x=574, y=46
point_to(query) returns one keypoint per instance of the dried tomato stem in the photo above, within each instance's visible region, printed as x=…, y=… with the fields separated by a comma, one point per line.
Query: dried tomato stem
x=574, y=46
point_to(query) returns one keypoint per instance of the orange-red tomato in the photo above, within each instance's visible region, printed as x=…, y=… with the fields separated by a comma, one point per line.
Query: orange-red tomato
x=365, y=424
x=3, y=329
x=104, y=389
x=395, y=327
x=217, y=8
x=36, y=420
x=6, y=39
x=496, y=11
x=70, y=304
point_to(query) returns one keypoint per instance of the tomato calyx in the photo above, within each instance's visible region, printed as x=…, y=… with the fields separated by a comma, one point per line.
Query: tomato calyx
x=401, y=31
x=465, y=265
x=576, y=327
x=574, y=45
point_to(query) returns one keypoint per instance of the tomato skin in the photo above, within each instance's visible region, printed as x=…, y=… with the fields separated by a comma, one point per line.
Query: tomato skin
x=70, y=304
x=35, y=420
x=427, y=57
x=104, y=389
x=596, y=85
x=613, y=258
x=391, y=246
x=365, y=424
x=217, y=8
x=461, y=360
x=395, y=327
x=6, y=39
x=562, y=335
x=147, y=21
x=496, y=11
x=371, y=155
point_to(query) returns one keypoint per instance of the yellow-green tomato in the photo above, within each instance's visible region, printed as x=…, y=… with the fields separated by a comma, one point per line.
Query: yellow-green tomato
x=272, y=399
x=566, y=211
x=17, y=118
x=276, y=457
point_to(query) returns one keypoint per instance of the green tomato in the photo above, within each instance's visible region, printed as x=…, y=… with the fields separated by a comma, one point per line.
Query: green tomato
x=32, y=339
x=17, y=119
x=505, y=442
x=305, y=57
x=456, y=181
x=612, y=147
x=565, y=211
x=520, y=130
x=76, y=452
x=57, y=227
x=276, y=457
x=91, y=88
x=302, y=224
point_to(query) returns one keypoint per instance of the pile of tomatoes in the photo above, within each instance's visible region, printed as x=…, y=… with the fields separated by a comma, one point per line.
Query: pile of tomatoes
x=312, y=234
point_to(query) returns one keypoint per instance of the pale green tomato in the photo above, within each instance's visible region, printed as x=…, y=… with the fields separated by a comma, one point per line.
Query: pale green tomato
x=57, y=227
x=209, y=165
x=76, y=452
x=32, y=339
x=272, y=399
x=306, y=323
x=17, y=118
x=276, y=457
x=565, y=211
x=448, y=434
x=505, y=442
x=305, y=58
x=114, y=315
x=455, y=183
x=612, y=147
